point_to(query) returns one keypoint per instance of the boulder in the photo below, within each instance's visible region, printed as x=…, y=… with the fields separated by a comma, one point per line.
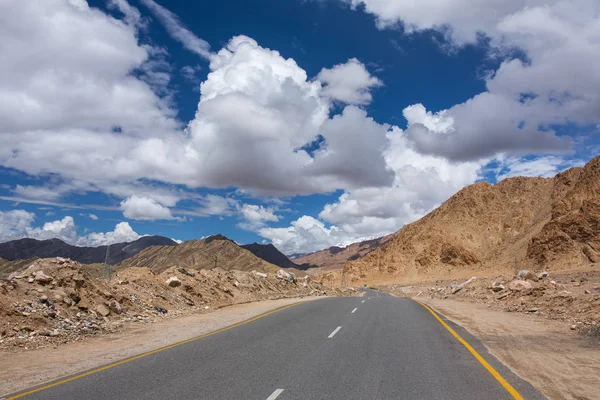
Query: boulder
x=527, y=275
x=261, y=274
x=42, y=278
x=543, y=275
x=173, y=281
x=517, y=285
x=287, y=276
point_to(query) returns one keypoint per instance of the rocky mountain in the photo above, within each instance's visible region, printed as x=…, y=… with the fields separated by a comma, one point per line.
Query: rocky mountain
x=519, y=223
x=336, y=257
x=211, y=252
x=23, y=249
x=270, y=254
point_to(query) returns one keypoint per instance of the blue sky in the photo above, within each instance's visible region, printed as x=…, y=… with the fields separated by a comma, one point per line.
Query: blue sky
x=318, y=123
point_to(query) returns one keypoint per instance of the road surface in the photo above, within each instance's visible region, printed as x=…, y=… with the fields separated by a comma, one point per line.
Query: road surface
x=371, y=347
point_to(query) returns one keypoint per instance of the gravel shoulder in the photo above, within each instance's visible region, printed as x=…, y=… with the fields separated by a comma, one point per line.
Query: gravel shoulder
x=559, y=363
x=26, y=369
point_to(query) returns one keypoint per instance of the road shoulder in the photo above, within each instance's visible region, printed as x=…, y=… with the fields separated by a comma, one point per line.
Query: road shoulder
x=558, y=364
x=22, y=370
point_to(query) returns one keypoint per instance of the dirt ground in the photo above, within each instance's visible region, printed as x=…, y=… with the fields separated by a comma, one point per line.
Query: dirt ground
x=25, y=369
x=562, y=364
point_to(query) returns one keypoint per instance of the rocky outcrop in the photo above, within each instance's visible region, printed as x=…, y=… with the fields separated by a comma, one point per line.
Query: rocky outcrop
x=534, y=223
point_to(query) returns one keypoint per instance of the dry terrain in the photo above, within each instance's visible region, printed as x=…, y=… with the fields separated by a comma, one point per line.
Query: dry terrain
x=550, y=224
x=55, y=301
x=334, y=258
x=27, y=368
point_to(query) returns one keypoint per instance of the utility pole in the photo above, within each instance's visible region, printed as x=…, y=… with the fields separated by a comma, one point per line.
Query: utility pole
x=106, y=272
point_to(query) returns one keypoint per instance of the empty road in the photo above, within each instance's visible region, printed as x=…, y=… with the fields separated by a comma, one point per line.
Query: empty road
x=371, y=347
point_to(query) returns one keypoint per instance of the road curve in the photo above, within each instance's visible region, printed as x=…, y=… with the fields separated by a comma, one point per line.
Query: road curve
x=372, y=347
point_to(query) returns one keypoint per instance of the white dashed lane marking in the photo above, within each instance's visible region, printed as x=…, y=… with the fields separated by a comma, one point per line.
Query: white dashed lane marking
x=353, y=311
x=334, y=332
x=275, y=394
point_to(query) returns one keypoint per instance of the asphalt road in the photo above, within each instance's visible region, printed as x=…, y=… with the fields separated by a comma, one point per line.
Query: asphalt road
x=372, y=347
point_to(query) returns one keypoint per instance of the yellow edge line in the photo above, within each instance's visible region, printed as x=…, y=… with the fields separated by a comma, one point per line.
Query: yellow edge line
x=104, y=368
x=487, y=366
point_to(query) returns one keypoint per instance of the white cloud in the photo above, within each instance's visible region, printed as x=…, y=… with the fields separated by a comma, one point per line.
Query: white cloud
x=349, y=83
x=94, y=126
x=132, y=14
x=93, y=217
x=258, y=214
x=421, y=183
x=545, y=167
x=14, y=224
x=190, y=73
x=306, y=234
x=557, y=85
x=122, y=233
x=144, y=208
x=36, y=192
x=177, y=30
x=17, y=224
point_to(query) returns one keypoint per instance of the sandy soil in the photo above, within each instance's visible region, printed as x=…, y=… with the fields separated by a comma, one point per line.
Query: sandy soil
x=562, y=365
x=23, y=370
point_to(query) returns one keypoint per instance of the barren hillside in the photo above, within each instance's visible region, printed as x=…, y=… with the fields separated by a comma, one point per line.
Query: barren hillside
x=211, y=252
x=272, y=255
x=24, y=249
x=336, y=257
x=535, y=223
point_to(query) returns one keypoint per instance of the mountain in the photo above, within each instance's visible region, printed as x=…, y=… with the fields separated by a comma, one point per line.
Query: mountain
x=336, y=257
x=30, y=248
x=208, y=253
x=270, y=254
x=520, y=223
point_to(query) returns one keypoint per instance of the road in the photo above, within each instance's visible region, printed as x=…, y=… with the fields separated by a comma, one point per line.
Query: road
x=371, y=347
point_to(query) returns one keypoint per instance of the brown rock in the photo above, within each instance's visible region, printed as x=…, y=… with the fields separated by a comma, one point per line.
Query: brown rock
x=527, y=275
x=102, y=310
x=518, y=286
x=42, y=278
x=173, y=281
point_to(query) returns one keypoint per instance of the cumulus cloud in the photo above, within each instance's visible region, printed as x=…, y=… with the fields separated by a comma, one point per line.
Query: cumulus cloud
x=144, y=208
x=123, y=232
x=95, y=126
x=349, y=83
x=18, y=224
x=258, y=214
x=420, y=183
x=14, y=224
x=525, y=100
x=306, y=234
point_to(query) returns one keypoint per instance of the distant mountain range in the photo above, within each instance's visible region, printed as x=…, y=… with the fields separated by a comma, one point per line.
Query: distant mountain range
x=159, y=253
x=213, y=251
x=31, y=248
x=269, y=253
x=336, y=257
